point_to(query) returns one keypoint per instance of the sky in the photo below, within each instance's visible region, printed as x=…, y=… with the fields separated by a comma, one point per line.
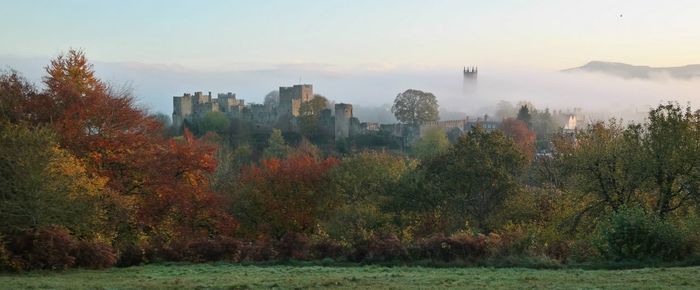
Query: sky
x=357, y=34
x=359, y=50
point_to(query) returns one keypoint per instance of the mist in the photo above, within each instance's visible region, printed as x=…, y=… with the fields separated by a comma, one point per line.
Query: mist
x=371, y=91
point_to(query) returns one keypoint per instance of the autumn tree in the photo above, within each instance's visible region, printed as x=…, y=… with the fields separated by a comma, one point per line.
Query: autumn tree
x=523, y=137
x=15, y=94
x=281, y=195
x=177, y=196
x=415, y=107
x=154, y=185
x=42, y=185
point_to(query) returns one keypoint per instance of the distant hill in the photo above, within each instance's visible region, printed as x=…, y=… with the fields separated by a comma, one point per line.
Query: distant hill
x=628, y=71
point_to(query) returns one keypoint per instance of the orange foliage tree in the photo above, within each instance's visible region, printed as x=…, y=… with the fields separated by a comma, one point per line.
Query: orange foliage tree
x=523, y=137
x=282, y=195
x=155, y=185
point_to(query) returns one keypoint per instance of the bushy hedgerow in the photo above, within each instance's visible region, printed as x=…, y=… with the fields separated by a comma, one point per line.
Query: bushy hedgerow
x=220, y=249
x=632, y=234
x=48, y=248
x=293, y=246
x=327, y=248
x=94, y=255
x=379, y=248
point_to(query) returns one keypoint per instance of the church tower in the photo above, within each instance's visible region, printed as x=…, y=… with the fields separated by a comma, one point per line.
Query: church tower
x=470, y=74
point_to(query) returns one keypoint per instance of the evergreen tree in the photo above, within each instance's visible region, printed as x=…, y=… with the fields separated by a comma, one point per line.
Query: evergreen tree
x=276, y=148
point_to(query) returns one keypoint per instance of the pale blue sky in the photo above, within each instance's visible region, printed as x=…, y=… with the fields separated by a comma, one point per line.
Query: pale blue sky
x=363, y=35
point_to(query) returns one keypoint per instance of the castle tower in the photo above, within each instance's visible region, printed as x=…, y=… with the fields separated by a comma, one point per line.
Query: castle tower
x=182, y=109
x=470, y=74
x=343, y=117
x=291, y=99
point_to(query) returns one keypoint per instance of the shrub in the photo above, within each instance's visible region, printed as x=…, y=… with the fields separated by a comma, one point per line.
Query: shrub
x=203, y=250
x=559, y=250
x=293, y=245
x=46, y=248
x=8, y=262
x=209, y=250
x=132, y=255
x=632, y=234
x=327, y=248
x=259, y=250
x=379, y=248
x=583, y=251
x=95, y=255
x=461, y=247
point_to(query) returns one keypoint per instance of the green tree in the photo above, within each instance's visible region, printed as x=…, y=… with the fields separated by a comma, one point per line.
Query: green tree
x=276, y=148
x=43, y=185
x=361, y=187
x=524, y=115
x=671, y=152
x=415, y=107
x=469, y=182
x=603, y=163
x=272, y=98
x=216, y=122
x=310, y=114
x=433, y=142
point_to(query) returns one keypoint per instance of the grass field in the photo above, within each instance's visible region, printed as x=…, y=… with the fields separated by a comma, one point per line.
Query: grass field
x=231, y=276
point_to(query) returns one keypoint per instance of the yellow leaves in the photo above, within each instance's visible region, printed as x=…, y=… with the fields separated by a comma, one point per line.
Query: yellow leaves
x=70, y=174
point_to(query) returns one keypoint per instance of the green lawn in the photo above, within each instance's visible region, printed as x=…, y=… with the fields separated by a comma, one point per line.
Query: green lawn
x=225, y=276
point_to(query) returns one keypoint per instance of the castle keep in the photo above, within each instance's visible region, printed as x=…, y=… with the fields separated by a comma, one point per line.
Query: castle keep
x=291, y=99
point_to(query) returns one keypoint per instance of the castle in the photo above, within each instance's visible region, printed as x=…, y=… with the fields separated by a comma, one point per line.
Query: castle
x=284, y=114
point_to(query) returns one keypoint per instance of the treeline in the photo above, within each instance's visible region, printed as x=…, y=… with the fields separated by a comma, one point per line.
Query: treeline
x=88, y=179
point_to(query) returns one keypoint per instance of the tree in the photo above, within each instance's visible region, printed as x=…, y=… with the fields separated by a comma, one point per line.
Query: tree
x=523, y=137
x=433, y=142
x=272, y=99
x=602, y=163
x=177, y=199
x=310, y=115
x=15, y=94
x=216, y=122
x=42, y=185
x=467, y=183
x=276, y=147
x=281, y=195
x=415, y=107
x=524, y=115
x=504, y=110
x=361, y=187
x=671, y=151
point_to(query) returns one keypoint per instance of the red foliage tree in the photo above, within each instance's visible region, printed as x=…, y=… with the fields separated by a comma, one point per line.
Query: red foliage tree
x=155, y=184
x=284, y=195
x=523, y=137
x=178, y=193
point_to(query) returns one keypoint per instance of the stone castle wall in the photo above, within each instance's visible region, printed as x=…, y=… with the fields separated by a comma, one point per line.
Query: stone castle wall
x=343, y=118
